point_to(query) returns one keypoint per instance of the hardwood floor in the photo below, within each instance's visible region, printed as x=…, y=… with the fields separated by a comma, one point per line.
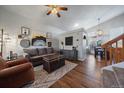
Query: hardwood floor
x=85, y=75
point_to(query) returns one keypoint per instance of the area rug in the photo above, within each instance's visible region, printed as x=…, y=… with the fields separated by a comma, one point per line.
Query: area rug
x=45, y=80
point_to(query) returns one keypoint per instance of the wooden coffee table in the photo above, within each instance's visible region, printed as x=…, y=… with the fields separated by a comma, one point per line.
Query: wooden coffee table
x=53, y=62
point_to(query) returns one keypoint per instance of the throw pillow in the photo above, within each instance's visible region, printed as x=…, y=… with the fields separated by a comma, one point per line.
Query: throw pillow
x=42, y=51
x=119, y=73
x=49, y=50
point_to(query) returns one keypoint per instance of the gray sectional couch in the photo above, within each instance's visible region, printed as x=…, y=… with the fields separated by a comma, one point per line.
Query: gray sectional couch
x=35, y=55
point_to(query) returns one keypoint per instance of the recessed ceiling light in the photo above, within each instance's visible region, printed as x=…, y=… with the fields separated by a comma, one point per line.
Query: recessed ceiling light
x=76, y=25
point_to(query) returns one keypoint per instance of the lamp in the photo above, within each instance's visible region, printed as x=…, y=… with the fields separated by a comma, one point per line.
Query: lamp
x=99, y=31
x=84, y=37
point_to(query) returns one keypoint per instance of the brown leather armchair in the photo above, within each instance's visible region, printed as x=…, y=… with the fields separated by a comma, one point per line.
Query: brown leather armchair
x=16, y=73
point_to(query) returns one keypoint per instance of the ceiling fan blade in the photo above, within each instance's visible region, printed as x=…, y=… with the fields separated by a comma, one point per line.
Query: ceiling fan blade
x=49, y=5
x=58, y=15
x=49, y=12
x=63, y=8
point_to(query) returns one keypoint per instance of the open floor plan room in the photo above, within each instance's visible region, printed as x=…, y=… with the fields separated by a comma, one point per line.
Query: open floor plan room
x=61, y=46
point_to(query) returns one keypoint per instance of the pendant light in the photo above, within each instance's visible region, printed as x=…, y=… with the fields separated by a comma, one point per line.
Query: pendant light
x=99, y=31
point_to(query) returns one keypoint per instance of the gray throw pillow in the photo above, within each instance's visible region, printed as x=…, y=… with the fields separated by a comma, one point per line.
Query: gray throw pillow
x=119, y=73
x=109, y=79
x=31, y=52
x=50, y=50
x=42, y=51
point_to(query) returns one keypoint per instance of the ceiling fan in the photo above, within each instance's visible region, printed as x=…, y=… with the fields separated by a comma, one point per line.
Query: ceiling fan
x=55, y=10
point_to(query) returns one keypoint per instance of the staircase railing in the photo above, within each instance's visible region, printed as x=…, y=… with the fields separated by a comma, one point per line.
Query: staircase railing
x=114, y=49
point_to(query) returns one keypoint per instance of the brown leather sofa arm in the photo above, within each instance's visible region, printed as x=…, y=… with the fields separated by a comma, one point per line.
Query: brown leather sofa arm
x=15, y=70
x=17, y=62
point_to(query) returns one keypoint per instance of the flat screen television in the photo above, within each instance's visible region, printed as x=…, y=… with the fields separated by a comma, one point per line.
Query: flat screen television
x=69, y=40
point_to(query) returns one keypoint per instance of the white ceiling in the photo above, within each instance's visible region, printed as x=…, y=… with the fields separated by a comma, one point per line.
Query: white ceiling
x=77, y=16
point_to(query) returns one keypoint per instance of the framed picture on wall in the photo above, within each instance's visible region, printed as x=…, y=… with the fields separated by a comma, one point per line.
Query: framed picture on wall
x=25, y=31
x=39, y=41
x=69, y=41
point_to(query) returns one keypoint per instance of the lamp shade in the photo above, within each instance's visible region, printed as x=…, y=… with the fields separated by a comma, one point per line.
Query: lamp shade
x=84, y=37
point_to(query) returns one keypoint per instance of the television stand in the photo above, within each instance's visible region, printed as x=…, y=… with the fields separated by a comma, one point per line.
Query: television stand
x=69, y=54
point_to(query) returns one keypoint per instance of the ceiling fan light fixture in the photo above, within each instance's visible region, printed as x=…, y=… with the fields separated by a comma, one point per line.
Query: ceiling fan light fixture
x=54, y=11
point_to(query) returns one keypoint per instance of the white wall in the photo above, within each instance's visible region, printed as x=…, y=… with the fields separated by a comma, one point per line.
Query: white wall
x=77, y=34
x=55, y=43
x=11, y=23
